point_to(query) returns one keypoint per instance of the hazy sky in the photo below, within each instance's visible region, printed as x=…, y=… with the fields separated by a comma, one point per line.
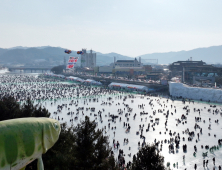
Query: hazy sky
x=128, y=27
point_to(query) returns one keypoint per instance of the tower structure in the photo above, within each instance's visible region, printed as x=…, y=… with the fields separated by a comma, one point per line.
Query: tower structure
x=65, y=60
x=88, y=59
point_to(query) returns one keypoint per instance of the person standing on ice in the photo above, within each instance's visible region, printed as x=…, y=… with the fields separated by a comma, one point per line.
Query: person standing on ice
x=117, y=145
x=203, y=163
x=195, y=166
x=214, y=161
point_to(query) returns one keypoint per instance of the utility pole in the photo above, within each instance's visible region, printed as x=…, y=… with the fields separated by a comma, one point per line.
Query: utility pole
x=65, y=62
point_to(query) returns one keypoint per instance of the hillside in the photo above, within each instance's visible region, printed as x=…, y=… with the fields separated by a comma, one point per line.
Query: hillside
x=211, y=55
x=24, y=55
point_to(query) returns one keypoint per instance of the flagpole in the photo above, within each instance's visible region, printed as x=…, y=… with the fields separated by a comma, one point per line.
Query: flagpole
x=73, y=68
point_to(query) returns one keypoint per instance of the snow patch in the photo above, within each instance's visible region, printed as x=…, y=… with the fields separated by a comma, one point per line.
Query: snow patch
x=196, y=93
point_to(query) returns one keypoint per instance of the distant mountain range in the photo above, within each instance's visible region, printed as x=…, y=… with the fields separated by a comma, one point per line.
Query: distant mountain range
x=24, y=55
x=210, y=55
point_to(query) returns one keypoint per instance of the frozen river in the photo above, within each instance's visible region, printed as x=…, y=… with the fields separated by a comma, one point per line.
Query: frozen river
x=152, y=134
x=157, y=131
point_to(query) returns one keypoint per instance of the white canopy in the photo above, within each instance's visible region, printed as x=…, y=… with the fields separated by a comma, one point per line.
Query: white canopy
x=75, y=79
x=120, y=85
x=49, y=74
x=129, y=86
x=93, y=82
x=137, y=87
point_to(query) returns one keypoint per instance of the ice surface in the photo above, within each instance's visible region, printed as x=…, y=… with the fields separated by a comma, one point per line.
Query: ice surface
x=120, y=134
x=157, y=103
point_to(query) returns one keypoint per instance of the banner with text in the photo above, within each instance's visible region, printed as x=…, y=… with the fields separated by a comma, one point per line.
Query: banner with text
x=72, y=61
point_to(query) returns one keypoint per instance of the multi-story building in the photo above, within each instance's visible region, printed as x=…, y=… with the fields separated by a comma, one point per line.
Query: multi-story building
x=128, y=63
x=88, y=59
x=178, y=66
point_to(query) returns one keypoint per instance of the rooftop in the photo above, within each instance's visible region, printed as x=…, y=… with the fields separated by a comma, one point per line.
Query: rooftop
x=125, y=61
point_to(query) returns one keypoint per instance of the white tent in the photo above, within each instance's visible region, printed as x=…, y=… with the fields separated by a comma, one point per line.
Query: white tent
x=75, y=79
x=137, y=87
x=117, y=86
x=60, y=76
x=128, y=87
x=50, y=74
x=92, y=82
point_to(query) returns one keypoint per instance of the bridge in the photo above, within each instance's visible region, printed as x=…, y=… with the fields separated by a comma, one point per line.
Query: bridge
x=32, y=69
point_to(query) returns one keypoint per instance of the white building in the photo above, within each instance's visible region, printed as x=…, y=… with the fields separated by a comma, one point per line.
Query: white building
x=88, y=59
x=128, y=63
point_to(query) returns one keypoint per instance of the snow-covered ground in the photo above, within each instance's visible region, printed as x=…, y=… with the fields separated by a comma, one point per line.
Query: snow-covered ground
x=206, y=94
x=151, y=135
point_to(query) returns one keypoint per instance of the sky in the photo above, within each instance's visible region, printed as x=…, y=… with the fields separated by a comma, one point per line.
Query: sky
x=127, y=27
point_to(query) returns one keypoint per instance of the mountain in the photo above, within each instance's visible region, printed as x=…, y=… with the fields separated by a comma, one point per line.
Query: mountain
x=18, y=47
x=210, y=55
x=55, y=55
x=3, y=50
x=23, y=55
x=106, y=59
x=30, y=55
x=21, y=47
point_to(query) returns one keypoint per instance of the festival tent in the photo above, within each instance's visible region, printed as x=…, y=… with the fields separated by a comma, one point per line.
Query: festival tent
x=137, y=87
x=128, y=87
x=92, y=82
x=118, y=86
x=60, y=76
x=50, y=74
x=75, y=79
x=70, y=78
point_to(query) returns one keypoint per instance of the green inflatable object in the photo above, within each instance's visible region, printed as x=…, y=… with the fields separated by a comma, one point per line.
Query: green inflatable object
x=26, y=139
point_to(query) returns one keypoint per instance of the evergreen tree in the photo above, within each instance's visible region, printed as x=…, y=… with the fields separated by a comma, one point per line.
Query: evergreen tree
x=28, y=109
x=92, y=149
x=148, y=158
x=60, y=156
x=58, y=69
x=11, y=109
